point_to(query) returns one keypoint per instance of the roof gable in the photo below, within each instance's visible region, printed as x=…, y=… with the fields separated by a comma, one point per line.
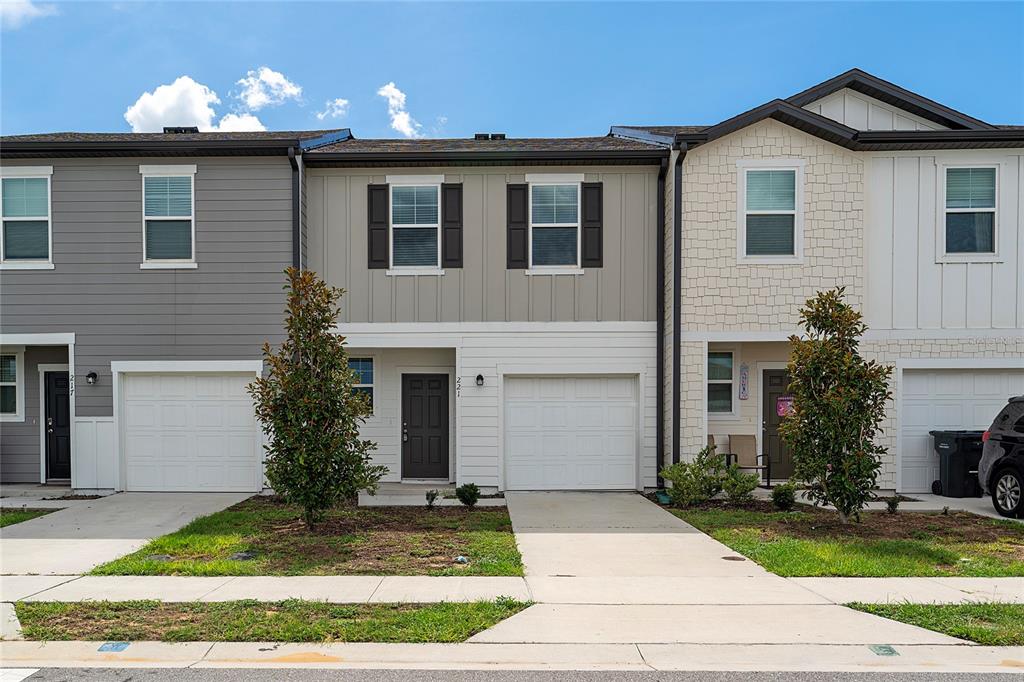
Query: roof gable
x=893, y=95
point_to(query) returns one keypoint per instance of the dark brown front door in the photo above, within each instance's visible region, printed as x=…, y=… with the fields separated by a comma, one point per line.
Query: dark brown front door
x=777, y=401
x=425, y=426
x=58, y=425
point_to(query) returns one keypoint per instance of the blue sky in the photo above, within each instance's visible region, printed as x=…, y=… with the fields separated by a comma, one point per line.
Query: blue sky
x=535, y=69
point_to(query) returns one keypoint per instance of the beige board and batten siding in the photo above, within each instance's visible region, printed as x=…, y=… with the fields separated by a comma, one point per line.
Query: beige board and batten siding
x=625, y=288
x=222, y=310
x=863, y=112
x=909, y=284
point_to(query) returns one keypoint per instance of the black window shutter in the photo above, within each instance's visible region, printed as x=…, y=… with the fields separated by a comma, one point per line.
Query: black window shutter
x=377, y=227
x=451, y=225
x=518, y=227
x=592, y=222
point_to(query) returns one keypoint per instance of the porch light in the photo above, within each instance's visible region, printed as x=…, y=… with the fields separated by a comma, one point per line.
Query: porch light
x=479, y=379
x=90, y=378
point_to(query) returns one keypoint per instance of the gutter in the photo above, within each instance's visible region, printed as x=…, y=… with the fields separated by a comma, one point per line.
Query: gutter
x=296, y=226
x=660, y=388
x=13, y=150
x=677, y=291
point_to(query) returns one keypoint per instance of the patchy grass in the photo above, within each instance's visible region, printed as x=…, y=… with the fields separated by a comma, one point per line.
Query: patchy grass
x=351, y=541
x=990, y=624
x=251, y=621
x=812, y=542
x=10, y=516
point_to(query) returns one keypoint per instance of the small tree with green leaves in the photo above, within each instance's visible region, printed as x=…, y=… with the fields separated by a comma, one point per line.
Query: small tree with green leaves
x=839, y=401
x=307, y=407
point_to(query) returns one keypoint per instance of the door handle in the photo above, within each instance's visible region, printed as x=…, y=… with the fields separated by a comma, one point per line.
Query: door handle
x=49, y=421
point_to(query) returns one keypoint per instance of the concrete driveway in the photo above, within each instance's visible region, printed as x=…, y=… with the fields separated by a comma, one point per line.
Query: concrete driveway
x=76, y=540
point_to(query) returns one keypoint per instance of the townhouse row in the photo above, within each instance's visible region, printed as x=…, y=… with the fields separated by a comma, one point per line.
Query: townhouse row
x=525, y=314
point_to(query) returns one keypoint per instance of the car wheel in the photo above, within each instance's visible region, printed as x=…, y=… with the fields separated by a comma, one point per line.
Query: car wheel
x=1007, y=492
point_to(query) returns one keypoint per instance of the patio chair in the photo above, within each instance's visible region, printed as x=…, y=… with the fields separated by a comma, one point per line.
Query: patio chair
x=743, y=453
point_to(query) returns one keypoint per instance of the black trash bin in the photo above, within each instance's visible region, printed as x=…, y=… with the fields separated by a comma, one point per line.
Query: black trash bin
x=959, y=455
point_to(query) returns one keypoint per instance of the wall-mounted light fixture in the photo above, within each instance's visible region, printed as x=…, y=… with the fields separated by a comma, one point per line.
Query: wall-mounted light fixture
x=479, y=379
x=90, y=378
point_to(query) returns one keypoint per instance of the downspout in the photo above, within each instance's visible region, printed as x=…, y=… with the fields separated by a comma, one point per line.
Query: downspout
x=296, y=237
x=677, y=287
x=660, y=388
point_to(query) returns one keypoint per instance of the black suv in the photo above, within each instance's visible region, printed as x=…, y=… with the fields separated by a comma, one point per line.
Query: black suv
x=1001, y=471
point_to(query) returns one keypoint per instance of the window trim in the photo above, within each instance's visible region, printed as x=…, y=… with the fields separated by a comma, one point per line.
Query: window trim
x=19, y=384
x=372, y=385
x=44, y=172
x=147, y=171
x=555, y=179
x=744, y=166
x=941, y=255
x=434, y=181
x=733, y=381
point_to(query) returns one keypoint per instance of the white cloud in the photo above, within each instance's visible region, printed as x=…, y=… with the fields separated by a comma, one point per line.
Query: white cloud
x=16, y=13
x=184, y=103
x=264, y=87
x=401, y=120
x=333, y=108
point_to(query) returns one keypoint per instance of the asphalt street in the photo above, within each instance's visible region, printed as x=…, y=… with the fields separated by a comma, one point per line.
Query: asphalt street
x=292, y=675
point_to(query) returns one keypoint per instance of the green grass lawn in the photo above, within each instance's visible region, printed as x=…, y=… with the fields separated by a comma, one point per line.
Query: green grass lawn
x=9, y=517
x=991, y=624
x=351, y=541
x=251, y=621
x=812, y=542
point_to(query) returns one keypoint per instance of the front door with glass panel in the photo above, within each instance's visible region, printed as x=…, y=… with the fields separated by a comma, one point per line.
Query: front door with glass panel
x=776, y=403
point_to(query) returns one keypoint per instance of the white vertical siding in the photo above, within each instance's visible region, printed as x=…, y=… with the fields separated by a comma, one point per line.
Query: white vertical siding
x=863, y=112
x=909, y=285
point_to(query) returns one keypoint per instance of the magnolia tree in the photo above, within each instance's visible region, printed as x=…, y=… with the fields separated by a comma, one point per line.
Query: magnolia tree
x=308, y=409
x=839, y=401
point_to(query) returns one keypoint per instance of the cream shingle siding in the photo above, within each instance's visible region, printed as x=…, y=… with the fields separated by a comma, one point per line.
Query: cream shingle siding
x=719, y=294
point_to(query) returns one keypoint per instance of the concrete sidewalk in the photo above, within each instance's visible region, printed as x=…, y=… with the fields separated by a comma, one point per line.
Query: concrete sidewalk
x=92, y=532
x=932, y=659
x=614, y=535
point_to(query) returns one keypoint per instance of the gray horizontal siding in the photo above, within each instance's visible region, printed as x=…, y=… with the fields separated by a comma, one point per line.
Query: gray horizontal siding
x=483, y=289
x=19, y=441
x=223, y=310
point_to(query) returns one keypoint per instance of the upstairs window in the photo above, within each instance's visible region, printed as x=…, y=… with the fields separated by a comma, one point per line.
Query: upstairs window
x=970, y=210
x=770, y=216
x=363, y=367
x=415, y=226
x=554, y=225
x=25, y=237
x=169, y=216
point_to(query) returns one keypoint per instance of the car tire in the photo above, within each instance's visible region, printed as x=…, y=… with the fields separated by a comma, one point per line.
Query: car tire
x=1008, y=492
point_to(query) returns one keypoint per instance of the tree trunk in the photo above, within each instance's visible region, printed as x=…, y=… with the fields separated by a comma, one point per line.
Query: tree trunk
x=844, y=518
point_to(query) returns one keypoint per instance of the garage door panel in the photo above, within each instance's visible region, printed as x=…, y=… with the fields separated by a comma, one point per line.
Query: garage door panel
x=190, y=432
x=570, y=433
x=946, y=400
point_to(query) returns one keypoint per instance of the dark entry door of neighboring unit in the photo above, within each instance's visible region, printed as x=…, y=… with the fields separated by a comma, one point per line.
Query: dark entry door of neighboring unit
x=776, y=402
x=58, y=425
x=425, y=426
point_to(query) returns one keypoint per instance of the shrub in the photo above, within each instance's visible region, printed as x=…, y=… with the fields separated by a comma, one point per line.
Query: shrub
x=739, y=485
x=468, y=494
x=697, y=481
x=432, y=496
x=892, y=504
x=784, y=496
x=308, y=408
x=839, y=401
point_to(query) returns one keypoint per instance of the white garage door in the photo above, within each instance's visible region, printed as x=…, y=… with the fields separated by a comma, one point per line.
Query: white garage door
x=570, y=433
x=946, y=400
x=190, y=432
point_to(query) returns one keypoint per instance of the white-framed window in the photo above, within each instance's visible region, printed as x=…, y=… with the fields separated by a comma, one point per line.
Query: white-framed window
x=554, y=221
x=168, y=217
x=26, y=237
x=721, y=383
x=415, y=239
x=969, y=209
x=12, y=385
x=363, y=366
x=770, y=215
